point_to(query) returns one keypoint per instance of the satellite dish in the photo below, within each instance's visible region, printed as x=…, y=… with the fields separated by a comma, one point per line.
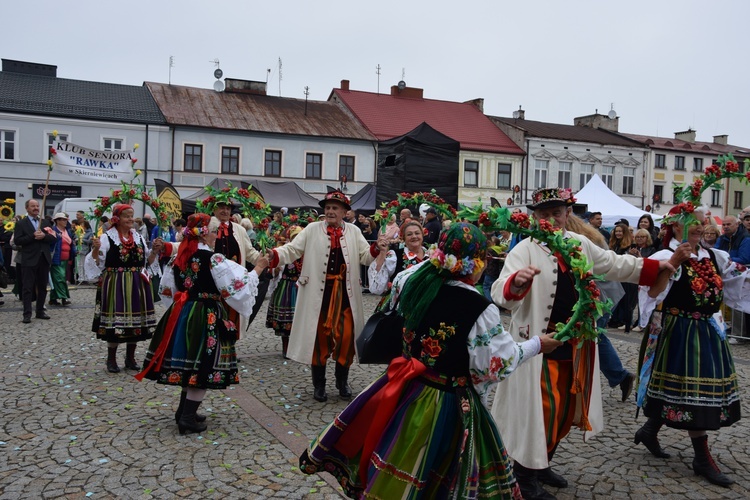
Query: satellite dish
x=218, y=73
x=218, y=85
x=401, y=85
x=612, y=114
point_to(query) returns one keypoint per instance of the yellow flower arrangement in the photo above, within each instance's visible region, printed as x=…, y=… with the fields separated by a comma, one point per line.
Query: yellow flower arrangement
x=9, y=226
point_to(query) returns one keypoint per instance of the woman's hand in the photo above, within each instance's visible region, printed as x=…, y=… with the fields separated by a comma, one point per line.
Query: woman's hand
x=383, y=243
x=680, y=255
x=549, y=343
x=261, y=264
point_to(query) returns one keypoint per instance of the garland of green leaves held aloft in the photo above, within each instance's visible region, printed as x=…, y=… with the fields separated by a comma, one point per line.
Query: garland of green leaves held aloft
x=409, y=200
x=689, y=196
x=589, y=307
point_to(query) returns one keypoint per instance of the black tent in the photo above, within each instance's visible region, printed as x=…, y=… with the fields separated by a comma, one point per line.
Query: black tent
x=277, y=194
x=364, y=200
x=421, y=160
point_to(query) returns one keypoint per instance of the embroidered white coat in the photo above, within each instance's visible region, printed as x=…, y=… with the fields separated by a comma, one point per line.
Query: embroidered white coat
x=517, y=408
x=315, y=244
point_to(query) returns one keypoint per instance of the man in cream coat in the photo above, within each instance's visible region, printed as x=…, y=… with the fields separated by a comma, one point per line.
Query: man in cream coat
x=535, y=409
x=329, y=307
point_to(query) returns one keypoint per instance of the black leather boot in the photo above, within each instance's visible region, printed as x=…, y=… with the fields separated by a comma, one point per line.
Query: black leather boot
x=319, y=383
x=548, y=476
x=130, y=362
x=178, y=413
x=528, y=482
x=112, y=360
x=342, y=382
x=187, y=422
x=704, y=465
x=648, y=435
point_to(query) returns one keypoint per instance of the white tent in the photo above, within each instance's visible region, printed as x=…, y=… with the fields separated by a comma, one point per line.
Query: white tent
x=600, y=198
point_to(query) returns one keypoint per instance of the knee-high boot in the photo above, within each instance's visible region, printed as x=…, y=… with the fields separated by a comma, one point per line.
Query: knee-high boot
x=178, y=413
x=319, y=383
x=342, y=381
x=528, y=482
x=648, y=435
x=187, y=422
x=704, y=465
x=112, y=360
x=549, y=477
x=130, y=362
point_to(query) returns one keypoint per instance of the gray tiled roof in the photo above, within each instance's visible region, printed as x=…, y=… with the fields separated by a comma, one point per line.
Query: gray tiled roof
x=545, y=130
x=45, y=95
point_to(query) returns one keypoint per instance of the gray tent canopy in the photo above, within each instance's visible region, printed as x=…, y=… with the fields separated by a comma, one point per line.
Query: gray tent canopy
x=277, y=194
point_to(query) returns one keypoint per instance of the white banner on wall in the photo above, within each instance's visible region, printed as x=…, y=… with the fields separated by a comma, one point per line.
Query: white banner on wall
x=73, y=161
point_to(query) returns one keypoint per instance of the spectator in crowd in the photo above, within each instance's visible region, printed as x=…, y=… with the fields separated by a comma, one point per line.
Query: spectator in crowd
x=647, y=222
x=643, y=243
x=595, y=219
x=404, y=215
x=621, y=242
x=735, y=240
x=432, y=226
x=179, y=227
x=247, y=225
x=142, y=230
x=711, y=235
x=150, y=224
x=64, y=252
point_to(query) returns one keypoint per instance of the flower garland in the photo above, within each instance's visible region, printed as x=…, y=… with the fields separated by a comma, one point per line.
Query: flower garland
x=127, y=194
x=689, y=196
x=408, y=200
x=589, y=307
x=250, y=206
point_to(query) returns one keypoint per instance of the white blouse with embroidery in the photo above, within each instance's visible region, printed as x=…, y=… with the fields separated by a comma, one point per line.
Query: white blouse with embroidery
x=92, y=270
x=493, y=354
x=237, y=286
x=378, y=279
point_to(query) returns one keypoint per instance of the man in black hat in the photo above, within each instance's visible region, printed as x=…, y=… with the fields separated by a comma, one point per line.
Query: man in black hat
x=432, y=226
x=535, y=410
x=329, y=299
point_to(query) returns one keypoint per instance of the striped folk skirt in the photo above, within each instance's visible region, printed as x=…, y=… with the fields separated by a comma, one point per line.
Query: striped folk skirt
x=124, y=310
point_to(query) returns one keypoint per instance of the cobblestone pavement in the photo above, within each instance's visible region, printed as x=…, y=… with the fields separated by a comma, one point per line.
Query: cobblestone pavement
x=71, y=429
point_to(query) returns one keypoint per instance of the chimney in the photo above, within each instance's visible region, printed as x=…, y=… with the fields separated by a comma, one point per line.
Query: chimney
x=411, y=92
x=520, y=114
x=236, y=86
x=478, y=103
x=29, y=68
x=344, y=84
x=721, y=139
x=598, y=121
x=687, y=136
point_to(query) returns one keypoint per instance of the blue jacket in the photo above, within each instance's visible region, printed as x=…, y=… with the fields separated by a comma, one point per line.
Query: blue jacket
x=156, y=232
x=57, y=250
x=738, y=246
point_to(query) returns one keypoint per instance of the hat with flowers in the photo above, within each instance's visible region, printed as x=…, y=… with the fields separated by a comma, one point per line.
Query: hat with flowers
x=336, y=196
x=551, y=197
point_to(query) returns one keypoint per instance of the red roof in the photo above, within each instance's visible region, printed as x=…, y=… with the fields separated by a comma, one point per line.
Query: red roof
x=387, y=116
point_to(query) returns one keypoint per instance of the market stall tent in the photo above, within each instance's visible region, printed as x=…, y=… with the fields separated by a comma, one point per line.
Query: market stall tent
x=600, y=198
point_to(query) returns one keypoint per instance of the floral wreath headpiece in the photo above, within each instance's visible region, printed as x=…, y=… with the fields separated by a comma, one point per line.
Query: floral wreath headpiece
x=460, y=238
x=250, y=206
x=544, y=197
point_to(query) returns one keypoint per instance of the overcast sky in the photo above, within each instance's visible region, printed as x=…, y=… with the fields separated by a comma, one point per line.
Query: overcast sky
x=665, y=65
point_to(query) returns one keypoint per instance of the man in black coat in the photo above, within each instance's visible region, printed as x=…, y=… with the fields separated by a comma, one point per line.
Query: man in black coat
x=432, y=226
x=36, y=258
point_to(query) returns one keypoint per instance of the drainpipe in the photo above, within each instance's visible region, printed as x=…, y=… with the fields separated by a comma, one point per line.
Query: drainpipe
x=171, y=161
x=145, y=170
x=525, y=180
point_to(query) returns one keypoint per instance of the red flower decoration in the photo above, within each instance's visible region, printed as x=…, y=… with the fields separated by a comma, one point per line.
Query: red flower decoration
x=431, y=346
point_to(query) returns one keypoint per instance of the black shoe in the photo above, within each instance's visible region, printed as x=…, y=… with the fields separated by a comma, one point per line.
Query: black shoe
x=26, y=319
x=66, y=302
x=188, y=422
x=319, y=383
x=342, y=382
x=531, y=488
x=42, y=316
x=626, y=386
x=704, y=465
x=54, y=302
x=551, y=478
x=130, y=364
x=178, y=414
x=112, y=367
x=648, y=435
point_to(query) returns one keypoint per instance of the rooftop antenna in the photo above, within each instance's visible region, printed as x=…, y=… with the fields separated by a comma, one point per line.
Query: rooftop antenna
x=268, y=75
x=171, y=65
x=218, y=73
x=280, y=77
x=307, y=93
x=377, y=72
x=402, y=82
x=612, y=113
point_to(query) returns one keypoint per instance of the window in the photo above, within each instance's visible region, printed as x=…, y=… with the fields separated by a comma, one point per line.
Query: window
x=715, y=198
x=540, y=174
x=272, y=165
x=503, y=175
x=110, y=144
x=608, y=175
x=471, y=173
x=563, y=174
x=697, y=164
x=628, y=180
x=230, y=160
x=51, y=141
x=738, y=200
x=587, y=172
x=193, y=161
x=346, y=167
x=314, y=165
x=8, y=144
x=661, y=161
x=679, y=163
x=658, y=194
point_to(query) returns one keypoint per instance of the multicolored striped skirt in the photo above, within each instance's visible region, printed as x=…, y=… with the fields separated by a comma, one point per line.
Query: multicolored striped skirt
x=281, y=307
x=693, y=383
x=438, y=443
x=200, y=351
x=124, y=310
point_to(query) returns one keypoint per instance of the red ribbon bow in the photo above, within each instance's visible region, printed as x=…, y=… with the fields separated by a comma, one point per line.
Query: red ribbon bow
x=335, y=233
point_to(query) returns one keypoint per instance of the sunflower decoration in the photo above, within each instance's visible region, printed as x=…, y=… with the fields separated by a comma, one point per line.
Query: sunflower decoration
x=9, y=226
x=410, y=200
x=589, y=307
x=689, y=196
x=6, y=212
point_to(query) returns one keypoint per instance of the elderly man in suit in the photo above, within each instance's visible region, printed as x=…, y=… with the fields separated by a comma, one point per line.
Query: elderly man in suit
x=31, y=235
